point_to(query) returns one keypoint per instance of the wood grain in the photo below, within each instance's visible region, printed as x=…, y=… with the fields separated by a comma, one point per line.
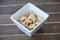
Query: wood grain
x=50, y=7
x=45, y=7
x=9, y=10
x=49, y=31
x=8, y=2
x=58, y=37
x=12, y=29
x=54, y=17
x=35, y=37
x=47, y=28
x=5, y=19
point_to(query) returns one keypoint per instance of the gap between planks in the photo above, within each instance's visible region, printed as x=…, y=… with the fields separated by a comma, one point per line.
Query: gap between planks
x=10, y=5
x=25, y=34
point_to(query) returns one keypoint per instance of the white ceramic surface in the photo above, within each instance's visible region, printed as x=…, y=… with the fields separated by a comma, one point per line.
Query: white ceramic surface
x=21, y=12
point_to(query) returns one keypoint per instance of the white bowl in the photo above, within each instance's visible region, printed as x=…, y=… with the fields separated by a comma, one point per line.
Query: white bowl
x=21, y=12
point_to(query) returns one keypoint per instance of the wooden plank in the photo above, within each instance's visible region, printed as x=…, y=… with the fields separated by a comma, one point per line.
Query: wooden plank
x=8, y=2
x=5, y=19
x=12, y=29
x=54, y=17
x=35, y=37
x=55, y=0
x=49, y=28
x=9, y=10
x=46, y=7
x=58, y=37
x=26, y=3
x=50, y=7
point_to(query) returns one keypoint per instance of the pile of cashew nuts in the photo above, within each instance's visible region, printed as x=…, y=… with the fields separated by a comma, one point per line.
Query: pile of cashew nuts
x=29, y=20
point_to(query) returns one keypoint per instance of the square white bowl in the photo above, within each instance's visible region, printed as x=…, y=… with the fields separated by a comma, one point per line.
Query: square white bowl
x=21, y=12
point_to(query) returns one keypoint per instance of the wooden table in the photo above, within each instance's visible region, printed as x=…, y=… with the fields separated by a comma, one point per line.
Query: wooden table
x=49, y=31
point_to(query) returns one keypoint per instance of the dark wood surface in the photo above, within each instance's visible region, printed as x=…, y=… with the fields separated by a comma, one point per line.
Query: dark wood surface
x=49, y=31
